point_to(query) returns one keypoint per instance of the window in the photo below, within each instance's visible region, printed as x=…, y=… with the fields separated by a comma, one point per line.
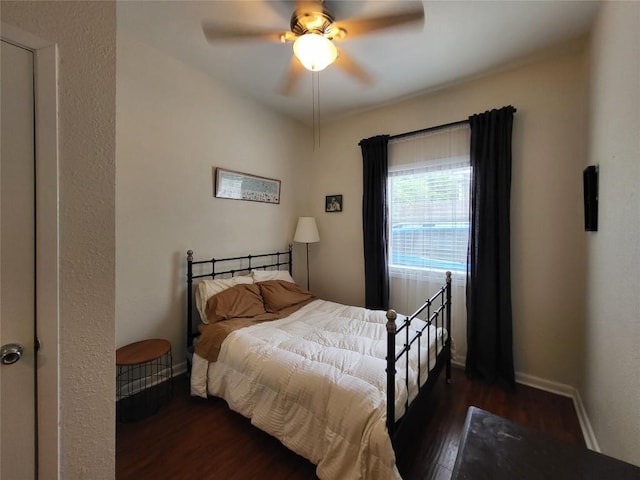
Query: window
x=428, y=193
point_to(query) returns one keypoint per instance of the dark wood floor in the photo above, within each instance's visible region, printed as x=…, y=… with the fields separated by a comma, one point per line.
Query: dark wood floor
x=197, y=438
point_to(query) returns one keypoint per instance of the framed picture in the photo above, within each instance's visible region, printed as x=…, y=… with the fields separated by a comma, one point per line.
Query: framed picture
x=243, y=186
x=333, y=203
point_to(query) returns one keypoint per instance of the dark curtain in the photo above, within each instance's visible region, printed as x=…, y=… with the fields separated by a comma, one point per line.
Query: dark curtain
x=374, y=221
x=489, y=329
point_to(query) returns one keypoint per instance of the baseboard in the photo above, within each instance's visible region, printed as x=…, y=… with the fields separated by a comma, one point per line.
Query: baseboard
x=559, y=389
x=457, y=364
x=544, y=384
x=136, y=386
x=179, y=368
x=565, y=391
x=585, y=424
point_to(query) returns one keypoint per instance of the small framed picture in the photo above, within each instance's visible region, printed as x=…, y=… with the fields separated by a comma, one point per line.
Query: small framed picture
x=333, y=203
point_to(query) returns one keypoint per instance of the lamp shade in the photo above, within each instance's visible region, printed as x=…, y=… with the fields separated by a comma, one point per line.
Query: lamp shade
x=314, y=51
x=306, y=231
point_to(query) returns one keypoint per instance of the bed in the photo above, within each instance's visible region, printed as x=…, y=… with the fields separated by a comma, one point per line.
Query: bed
x=334, y=383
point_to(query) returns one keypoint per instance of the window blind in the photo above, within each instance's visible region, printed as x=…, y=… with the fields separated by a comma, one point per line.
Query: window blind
x=428, y=193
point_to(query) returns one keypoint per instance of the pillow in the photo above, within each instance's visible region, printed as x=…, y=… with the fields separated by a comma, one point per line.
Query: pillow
x=205, y=289
x=240, y=301
x=264, y=275
x=279, y=294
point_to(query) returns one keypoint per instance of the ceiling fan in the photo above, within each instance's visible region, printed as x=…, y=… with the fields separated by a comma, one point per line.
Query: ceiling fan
x=313, y=32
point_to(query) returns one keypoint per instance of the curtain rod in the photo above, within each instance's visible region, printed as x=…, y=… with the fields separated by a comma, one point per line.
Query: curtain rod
x=431, y=129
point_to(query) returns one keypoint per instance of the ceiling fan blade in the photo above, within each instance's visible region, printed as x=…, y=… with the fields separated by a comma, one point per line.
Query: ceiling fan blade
x=351, y=67
x=215, y=32
x=361, y=26
x=292, y=77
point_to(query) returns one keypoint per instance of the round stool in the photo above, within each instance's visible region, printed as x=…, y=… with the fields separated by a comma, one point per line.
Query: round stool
x=144, y=378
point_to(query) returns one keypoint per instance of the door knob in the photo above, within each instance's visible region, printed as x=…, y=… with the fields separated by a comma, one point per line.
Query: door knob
x=11, y=353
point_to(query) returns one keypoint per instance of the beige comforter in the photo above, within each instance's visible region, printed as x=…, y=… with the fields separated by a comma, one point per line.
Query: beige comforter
x=212, y=335
x=316, y=381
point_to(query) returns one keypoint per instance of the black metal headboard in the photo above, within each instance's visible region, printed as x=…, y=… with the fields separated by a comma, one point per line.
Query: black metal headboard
x=229, y=267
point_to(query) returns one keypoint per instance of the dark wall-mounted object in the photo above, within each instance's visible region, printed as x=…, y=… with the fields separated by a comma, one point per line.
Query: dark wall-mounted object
x=590, y=182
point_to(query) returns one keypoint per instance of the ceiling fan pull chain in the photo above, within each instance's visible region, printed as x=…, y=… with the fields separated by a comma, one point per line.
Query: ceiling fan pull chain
x=315, y=93
x=313, y=110
x=318, y=97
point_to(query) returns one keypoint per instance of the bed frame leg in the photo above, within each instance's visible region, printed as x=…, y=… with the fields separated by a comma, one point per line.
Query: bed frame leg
x=448, y=364
x=391, y=370
x=448, y=318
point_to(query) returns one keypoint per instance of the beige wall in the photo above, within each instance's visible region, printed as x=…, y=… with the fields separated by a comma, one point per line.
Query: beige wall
x=548, y=241
x=85, y=35
x=173, y=126
x=610, y=386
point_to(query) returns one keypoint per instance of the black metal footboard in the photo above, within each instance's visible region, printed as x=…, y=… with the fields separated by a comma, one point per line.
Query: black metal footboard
x=438, y=314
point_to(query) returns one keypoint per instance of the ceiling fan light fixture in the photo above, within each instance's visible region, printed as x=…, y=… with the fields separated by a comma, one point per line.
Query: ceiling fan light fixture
x=314, y=51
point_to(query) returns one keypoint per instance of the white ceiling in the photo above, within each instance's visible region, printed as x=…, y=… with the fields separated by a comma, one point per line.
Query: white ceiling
x=459, y=39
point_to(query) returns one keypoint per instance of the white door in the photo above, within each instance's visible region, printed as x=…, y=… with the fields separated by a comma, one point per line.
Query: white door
x=17, y=261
